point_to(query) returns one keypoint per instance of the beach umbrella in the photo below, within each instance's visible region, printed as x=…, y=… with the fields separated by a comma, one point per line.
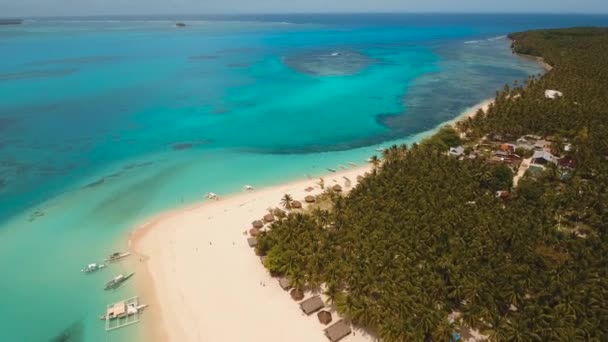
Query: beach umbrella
x=296, y=205
x=336, y=188
x=324, y=317
x=310, y=199
x=297, y=294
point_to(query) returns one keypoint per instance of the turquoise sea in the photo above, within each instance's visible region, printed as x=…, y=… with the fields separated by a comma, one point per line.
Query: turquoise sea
x=106, y=121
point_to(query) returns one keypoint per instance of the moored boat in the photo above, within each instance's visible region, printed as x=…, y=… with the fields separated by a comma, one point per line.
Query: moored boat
x=117, y=256
x=92, y=267
x=123, y=309
x=116, y=281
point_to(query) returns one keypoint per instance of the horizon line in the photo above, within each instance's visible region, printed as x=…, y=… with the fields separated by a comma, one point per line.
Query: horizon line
x=25, y=17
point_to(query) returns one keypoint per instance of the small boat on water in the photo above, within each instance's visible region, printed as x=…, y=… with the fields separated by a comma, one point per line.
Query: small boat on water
x=117, y=256
x=92, y=268
x=123, y=309
x=331, y=170
x=352, y=164
x=116, y=281
x=380, y=149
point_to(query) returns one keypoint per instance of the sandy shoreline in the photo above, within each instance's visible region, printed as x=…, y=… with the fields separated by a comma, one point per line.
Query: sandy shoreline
x=203, y=281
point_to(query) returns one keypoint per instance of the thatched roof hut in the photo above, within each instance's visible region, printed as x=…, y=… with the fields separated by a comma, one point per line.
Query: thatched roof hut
x=284, y=283
x=336, y=188
x=252, y=241
x=310, y=199
x=312, y=305
x=324, y=317
x=296, y=294
x=257, y=224
x=359, y=178
x=296, y=205
x=338, y=331
x=268, y=218
x=254, y=232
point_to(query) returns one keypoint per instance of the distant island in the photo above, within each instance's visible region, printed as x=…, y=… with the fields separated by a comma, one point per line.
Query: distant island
x=493, y=229
x=11, y=21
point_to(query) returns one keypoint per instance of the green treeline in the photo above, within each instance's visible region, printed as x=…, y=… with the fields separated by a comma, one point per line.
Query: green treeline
x=425, y=236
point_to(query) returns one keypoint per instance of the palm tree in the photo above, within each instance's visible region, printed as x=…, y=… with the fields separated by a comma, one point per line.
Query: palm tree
x=286, y=201
x=375, y=161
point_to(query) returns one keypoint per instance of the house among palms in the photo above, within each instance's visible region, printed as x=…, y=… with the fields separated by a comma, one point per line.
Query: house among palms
x=543, y=158
x=553, y=94
x=542, y=145
x=456, y=151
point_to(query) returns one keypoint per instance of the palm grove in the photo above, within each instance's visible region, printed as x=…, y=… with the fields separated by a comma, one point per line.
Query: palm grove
x=424, y=236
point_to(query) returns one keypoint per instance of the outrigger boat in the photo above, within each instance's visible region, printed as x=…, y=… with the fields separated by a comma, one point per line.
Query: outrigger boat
x=117, y=256
x=116, y=281
x=92, y=268
x=122, y=309
x=123, y=313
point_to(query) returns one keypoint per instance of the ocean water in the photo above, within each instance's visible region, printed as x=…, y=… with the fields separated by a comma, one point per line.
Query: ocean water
x=106, y=121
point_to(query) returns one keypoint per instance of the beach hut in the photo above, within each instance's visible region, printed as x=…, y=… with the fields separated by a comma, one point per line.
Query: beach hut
x=359, y=178
x=268, y=218
x=257, y=224
x=284, y=283
x=324, y=317
x=252, y=241
x=553, y=94
x=336, y=188
x=338, y=331
x=254, y=232
x=312, y=305
x=310, y=199
x=296, y=294
x=296, y=205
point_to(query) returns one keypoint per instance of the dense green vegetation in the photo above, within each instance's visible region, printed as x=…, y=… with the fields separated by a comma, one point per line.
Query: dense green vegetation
x=425, y=236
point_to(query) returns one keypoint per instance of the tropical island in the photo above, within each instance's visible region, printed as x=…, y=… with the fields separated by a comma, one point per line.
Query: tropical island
x=496, y=228
x=493, y=228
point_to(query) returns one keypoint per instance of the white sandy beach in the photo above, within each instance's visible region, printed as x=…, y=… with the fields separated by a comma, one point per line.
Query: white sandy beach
x=204, y=282
x=208, y=285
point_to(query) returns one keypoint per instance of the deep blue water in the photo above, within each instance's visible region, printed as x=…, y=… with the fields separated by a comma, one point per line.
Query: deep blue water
x=106, y=120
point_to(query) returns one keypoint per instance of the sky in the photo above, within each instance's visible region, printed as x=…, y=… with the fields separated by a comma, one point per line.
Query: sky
x=26, y=8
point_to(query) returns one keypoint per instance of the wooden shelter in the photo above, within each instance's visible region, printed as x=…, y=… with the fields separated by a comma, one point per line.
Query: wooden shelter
x=254, y=232
x=296, y=294
x=338, y=331
x=336, y=188
x=268, y=218
x=284, y=283
x=252, y=241
x=312, y=305
x=296, y=205
x=310, y=199
x=257, y=224
x=324, y=317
